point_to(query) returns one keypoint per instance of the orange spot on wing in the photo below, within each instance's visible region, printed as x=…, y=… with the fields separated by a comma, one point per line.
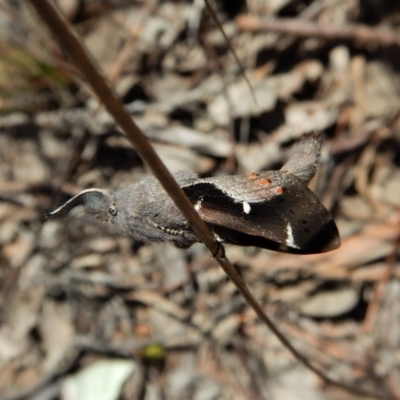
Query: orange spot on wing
x=252, y=175
x=279, y=190
x=265, y=181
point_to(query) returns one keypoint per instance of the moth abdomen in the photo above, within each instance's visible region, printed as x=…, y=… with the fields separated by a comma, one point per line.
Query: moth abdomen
x=306, y=154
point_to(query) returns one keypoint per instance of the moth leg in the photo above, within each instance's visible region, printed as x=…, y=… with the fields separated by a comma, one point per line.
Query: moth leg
x=220, y=250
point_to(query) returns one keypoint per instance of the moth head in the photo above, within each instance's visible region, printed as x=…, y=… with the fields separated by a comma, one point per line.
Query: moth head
x=98, y=202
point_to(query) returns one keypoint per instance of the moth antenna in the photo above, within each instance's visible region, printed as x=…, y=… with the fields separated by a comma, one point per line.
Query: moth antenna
x=304, y=160
x=90, y=201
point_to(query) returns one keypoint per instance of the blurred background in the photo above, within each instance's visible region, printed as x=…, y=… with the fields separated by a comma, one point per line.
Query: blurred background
x=86, y=314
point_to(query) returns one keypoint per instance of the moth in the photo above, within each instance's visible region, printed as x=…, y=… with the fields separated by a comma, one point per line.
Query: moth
x=273, y=210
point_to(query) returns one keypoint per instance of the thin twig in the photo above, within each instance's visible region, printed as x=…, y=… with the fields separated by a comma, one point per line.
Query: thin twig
x=361, y=34
x=231, y=48
x=66, y=36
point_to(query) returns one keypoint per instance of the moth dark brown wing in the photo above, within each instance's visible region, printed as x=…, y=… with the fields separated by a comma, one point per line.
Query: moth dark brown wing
x=273, y=210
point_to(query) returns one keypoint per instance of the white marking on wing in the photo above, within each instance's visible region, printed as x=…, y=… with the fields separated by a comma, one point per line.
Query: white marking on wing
x=290, y=239
x=246, y=207
x=198, y=205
